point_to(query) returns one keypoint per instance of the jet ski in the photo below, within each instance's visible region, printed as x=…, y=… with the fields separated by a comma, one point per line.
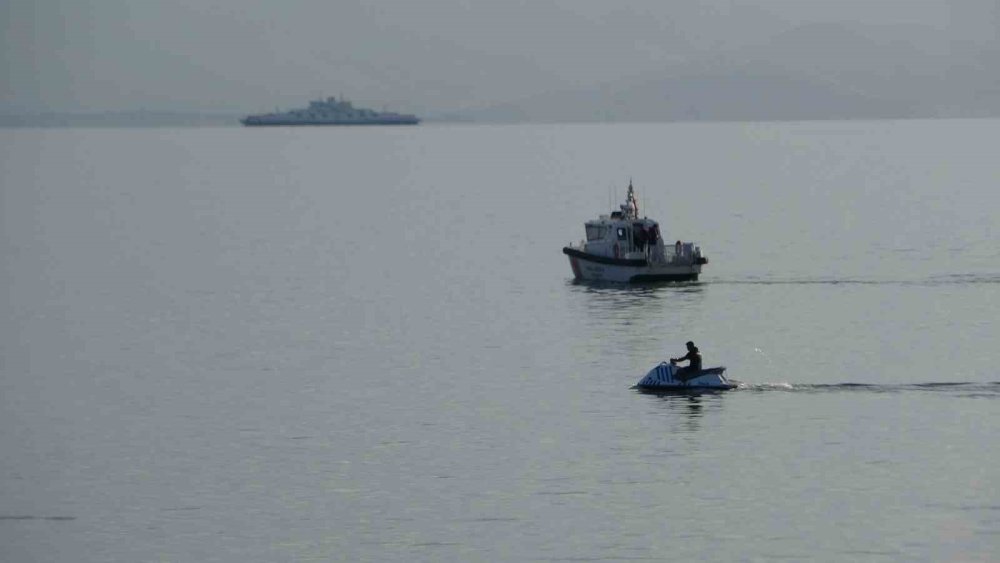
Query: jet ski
x=662, y=378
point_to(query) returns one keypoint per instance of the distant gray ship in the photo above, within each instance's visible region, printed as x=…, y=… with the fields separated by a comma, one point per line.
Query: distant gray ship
x=331, y=112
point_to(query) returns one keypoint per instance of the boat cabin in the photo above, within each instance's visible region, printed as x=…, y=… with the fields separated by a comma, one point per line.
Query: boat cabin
x=618, y=236
x=623, y=235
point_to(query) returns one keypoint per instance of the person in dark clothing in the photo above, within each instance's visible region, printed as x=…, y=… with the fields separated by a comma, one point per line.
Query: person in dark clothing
x=694, y=363
x=639, y=236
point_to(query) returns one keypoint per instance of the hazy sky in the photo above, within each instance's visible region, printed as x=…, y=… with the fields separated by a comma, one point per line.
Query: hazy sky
x=427, y=55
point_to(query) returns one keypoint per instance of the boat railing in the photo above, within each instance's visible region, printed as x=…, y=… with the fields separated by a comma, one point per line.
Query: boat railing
x=683, y=253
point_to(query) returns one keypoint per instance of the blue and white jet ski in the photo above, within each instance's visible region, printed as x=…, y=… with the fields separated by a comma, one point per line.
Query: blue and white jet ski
x=662, y=378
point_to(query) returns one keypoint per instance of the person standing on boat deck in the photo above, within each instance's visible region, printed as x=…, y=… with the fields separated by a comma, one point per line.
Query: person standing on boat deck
x=633, y=205
x=694, y=363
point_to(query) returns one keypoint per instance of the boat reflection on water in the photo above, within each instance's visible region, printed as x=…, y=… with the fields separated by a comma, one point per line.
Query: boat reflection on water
x=634, y=294
x=631, y=304
x=615, y=323
x=686, y=409
x=644, y=286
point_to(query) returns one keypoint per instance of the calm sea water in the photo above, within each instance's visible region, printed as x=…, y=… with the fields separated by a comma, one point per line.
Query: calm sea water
x=359, y=344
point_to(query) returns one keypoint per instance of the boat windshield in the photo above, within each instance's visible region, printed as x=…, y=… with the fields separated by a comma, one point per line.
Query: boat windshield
x=595, y=232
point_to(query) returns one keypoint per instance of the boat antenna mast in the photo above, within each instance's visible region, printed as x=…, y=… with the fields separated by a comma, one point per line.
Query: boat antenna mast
x=631, y=203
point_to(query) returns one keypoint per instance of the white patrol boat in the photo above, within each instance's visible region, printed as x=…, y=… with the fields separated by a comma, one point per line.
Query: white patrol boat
x=663, y=378
x=621, y=247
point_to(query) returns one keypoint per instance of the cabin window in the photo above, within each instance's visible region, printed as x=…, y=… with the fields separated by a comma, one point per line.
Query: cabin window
x=595, y=232
x=622, y=233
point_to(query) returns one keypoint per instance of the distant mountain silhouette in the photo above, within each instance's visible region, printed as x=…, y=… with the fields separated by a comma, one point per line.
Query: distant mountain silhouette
x=822, y=71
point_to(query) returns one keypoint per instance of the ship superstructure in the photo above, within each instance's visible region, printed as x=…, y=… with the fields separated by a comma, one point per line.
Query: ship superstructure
x=331, y=111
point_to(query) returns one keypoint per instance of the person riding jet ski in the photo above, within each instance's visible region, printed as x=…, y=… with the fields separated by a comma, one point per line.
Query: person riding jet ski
x=693, y=368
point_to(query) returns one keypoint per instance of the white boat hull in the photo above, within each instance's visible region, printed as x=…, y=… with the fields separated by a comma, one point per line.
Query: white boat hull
x=662, y=378
x=589, y=267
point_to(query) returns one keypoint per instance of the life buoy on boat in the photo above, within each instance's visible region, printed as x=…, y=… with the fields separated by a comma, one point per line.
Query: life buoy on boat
x=617, y=250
